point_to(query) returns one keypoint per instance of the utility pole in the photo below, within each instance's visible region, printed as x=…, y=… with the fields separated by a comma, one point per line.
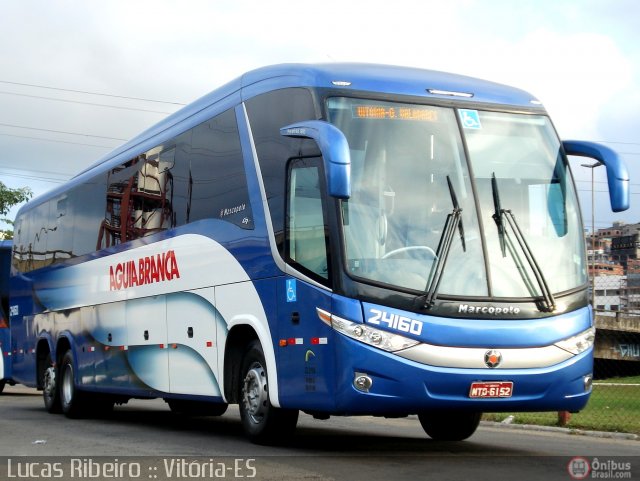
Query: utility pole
x=593, y=235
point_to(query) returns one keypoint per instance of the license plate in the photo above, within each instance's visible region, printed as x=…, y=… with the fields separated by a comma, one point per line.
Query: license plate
x=491, y=389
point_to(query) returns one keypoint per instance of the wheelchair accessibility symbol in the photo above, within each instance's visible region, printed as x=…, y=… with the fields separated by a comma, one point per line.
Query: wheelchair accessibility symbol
x=292, y=294
x=470, y=119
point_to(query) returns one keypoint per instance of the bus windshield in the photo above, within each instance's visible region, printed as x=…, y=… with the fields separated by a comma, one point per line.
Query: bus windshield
x=410, y=175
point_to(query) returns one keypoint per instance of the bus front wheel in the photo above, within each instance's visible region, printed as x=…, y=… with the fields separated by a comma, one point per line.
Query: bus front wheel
x=449, y=425
x=262, y=422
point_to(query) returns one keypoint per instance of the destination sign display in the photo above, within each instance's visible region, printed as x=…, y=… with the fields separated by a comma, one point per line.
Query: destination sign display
x=386, y=112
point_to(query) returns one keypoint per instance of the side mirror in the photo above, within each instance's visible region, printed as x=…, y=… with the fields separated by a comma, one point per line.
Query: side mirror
x=335, y=151
x=617, y=174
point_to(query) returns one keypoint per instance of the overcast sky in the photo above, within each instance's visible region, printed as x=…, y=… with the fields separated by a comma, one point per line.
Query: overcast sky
x=581, y=58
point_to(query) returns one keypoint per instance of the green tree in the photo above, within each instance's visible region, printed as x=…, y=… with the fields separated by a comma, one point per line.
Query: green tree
x=8, y=198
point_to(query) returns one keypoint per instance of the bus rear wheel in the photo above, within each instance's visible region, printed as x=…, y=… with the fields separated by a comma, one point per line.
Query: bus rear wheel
x=50, y=390
x=449, y=425
x=262, y=422
x=71, y=399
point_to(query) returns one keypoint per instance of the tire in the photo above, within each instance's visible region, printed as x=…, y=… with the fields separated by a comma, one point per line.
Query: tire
x=2, y=384
x=262, y=422
x=196, y=408
x=449, y=425
x=50, y=390
x=71, y=399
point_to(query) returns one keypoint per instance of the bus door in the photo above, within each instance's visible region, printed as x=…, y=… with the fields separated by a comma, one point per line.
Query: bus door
x=304, y=344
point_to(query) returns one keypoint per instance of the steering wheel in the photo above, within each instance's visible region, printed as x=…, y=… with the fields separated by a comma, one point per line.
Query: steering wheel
x=402, y=250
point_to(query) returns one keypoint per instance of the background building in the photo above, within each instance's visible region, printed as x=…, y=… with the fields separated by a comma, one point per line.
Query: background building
x=614, y=270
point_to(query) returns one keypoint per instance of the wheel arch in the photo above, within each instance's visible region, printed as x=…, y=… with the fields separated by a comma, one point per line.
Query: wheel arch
x=47, y=349
x=62, y=346
x=44, y=350
x=239, y=336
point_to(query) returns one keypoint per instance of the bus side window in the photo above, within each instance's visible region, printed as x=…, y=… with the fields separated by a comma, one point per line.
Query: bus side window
x=153, y=195
x=306, y=233
x=217, y=183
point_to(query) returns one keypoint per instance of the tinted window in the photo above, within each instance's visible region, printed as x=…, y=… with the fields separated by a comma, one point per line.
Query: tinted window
x=122, y=209
x=180, y=173
x=30, y=239
x=60, y=235
x=196, y=175
x=88, y=206
x=267, y=114
x=217, y=182
x=307, y=231
x=40, y=235
x=19, y=252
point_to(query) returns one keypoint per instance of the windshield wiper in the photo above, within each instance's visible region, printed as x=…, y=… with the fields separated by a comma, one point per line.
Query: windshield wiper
x=497, y=214
x=453, y=222
x=548, y=301
x=456, y=207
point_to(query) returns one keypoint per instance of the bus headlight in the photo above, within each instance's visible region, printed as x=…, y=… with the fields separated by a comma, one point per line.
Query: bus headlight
x=369, y=335
x=578, y=343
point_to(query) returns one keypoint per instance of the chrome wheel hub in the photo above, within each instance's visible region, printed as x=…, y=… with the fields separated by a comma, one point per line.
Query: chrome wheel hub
x=67, y=385
x=254, y=394
x=49, y=381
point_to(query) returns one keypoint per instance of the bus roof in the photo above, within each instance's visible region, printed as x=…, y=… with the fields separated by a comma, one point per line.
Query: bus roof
x=358, y=77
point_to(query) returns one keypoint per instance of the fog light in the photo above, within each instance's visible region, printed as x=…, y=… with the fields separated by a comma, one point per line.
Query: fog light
x=588, y=382
x=362, y=382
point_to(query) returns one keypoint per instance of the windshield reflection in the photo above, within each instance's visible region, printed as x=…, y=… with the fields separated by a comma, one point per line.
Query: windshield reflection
x=523, y=152
x=393, y=223
x=402, y=156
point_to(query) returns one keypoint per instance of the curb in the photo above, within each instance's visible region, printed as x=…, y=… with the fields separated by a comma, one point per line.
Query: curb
x=555, y=429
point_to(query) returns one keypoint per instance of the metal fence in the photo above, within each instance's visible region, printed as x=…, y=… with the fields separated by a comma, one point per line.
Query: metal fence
x=617, y=295
x=615, y=401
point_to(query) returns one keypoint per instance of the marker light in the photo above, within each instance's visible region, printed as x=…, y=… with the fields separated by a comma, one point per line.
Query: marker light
x=450, y=93
x=578, y=343
x=368, y=335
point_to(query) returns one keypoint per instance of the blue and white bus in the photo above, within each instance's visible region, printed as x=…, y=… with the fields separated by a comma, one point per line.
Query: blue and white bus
x=340, y=239
x=5, y=334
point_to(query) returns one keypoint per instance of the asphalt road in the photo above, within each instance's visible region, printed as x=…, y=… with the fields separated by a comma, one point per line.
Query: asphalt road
x=144, y=440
